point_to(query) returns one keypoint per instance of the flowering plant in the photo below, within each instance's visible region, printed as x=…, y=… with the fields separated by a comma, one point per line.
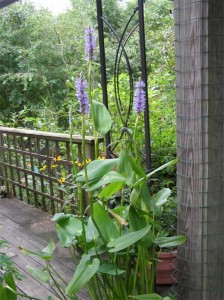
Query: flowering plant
x=117, y=244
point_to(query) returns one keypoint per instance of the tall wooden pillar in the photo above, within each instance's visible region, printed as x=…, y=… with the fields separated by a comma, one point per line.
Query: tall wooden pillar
x=199, y=29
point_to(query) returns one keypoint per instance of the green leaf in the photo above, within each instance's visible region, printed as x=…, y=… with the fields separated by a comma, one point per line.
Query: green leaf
x=91, y=231
x=172, y=162
x=39, y=274
x=71, y=225
x=173, y=241
x=136, y=167
x=3, y=243
x=104, y=223
x=107, y=267
x=111, y=189
x=66, y=239
x=128, y=239
x=3, y=292
x=110, y=177
x=124, y=167
x=147, y=297
x=11, y=283
x=84, y=272
x=102, y=118
x=50, y=247
x=136, y=221
x=161, y=197
x=147, y=202
x=134, y=198
x=45, y=256
x=97, y=169
x=60, y=216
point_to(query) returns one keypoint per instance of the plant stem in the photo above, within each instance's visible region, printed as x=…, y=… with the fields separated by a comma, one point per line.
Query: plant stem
x=55, y=282
x=95, y=134
x=21, y=295
x=136, y=271
x=135, y=136
x=153, y=267
x=74, y=168
x=85, y=166
x=59, y=276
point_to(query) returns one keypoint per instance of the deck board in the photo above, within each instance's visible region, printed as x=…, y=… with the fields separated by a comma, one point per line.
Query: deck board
x=25, y=226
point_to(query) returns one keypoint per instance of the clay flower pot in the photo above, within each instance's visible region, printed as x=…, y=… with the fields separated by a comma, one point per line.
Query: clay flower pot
x=166, y=266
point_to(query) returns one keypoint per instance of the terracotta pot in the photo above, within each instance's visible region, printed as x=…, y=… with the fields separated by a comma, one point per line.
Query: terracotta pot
x=166, y=266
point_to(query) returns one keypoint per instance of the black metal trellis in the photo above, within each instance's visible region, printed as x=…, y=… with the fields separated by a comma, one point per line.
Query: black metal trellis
x=122, y=41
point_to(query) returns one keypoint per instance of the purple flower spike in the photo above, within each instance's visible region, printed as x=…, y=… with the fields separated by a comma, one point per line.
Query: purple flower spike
x=139, y=97
x=90, y=43
x=81, y=84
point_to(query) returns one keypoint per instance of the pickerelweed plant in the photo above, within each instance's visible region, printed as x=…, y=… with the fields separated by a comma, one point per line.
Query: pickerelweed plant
x=116, y=248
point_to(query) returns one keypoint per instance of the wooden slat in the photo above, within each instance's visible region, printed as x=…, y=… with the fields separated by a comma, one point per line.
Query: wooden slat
x=28, y=227
x=77, y=139
x=31, y=184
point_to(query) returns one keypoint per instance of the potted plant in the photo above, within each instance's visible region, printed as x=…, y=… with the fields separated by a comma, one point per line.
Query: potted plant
x=117, y=245
x=167, y=262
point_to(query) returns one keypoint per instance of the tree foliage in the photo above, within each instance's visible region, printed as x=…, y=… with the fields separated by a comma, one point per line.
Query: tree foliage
x=40, y=52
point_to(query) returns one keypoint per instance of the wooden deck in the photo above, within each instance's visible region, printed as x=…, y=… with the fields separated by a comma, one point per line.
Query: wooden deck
x=29, y=227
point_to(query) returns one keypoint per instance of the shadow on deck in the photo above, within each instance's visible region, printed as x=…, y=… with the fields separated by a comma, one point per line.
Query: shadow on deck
x=25, y=226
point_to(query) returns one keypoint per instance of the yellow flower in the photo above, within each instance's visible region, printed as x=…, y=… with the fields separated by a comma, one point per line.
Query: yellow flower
x=43, y=168
x=61, y=180
x=88, y=160
x=78, y=163
x=57, y=158
x=54, y=166
x=101, y=157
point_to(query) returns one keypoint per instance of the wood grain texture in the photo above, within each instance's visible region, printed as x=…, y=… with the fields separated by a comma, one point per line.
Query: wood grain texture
x=25, y=226
x=199, y=38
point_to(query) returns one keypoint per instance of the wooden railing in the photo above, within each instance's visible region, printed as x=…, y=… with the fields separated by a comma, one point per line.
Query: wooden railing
x=35, y=166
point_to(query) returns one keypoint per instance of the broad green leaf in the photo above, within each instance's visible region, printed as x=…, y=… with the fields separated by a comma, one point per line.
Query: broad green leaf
x=102, y=118
x=136, y=167
x=104, y=223
x=3, y=292
x=147, y=297
x=45, y=256
x=84, y=272
x=173, y=241
x=146, y=199
x=39, y=274
x=97, y=169
x=60, y=216
x=141, y=199
x=110, y=177
x=111, y=189
x=99, y=249
x=50, y=247
x=107, y=267
x=136, y=221
x=135, y=198
x=71, y=225
x=161, y=197
x=11, y=294
x=124, y=167
x=91, y=231
x=66, y=239
x=127, y=240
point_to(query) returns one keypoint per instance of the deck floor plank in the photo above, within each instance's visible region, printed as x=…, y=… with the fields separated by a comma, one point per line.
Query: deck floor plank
x=25, y=226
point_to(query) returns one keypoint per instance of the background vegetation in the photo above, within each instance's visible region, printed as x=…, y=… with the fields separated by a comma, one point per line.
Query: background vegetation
x=41, y=55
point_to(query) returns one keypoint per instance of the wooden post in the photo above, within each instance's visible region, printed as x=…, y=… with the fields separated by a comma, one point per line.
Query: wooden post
x=199, y=33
